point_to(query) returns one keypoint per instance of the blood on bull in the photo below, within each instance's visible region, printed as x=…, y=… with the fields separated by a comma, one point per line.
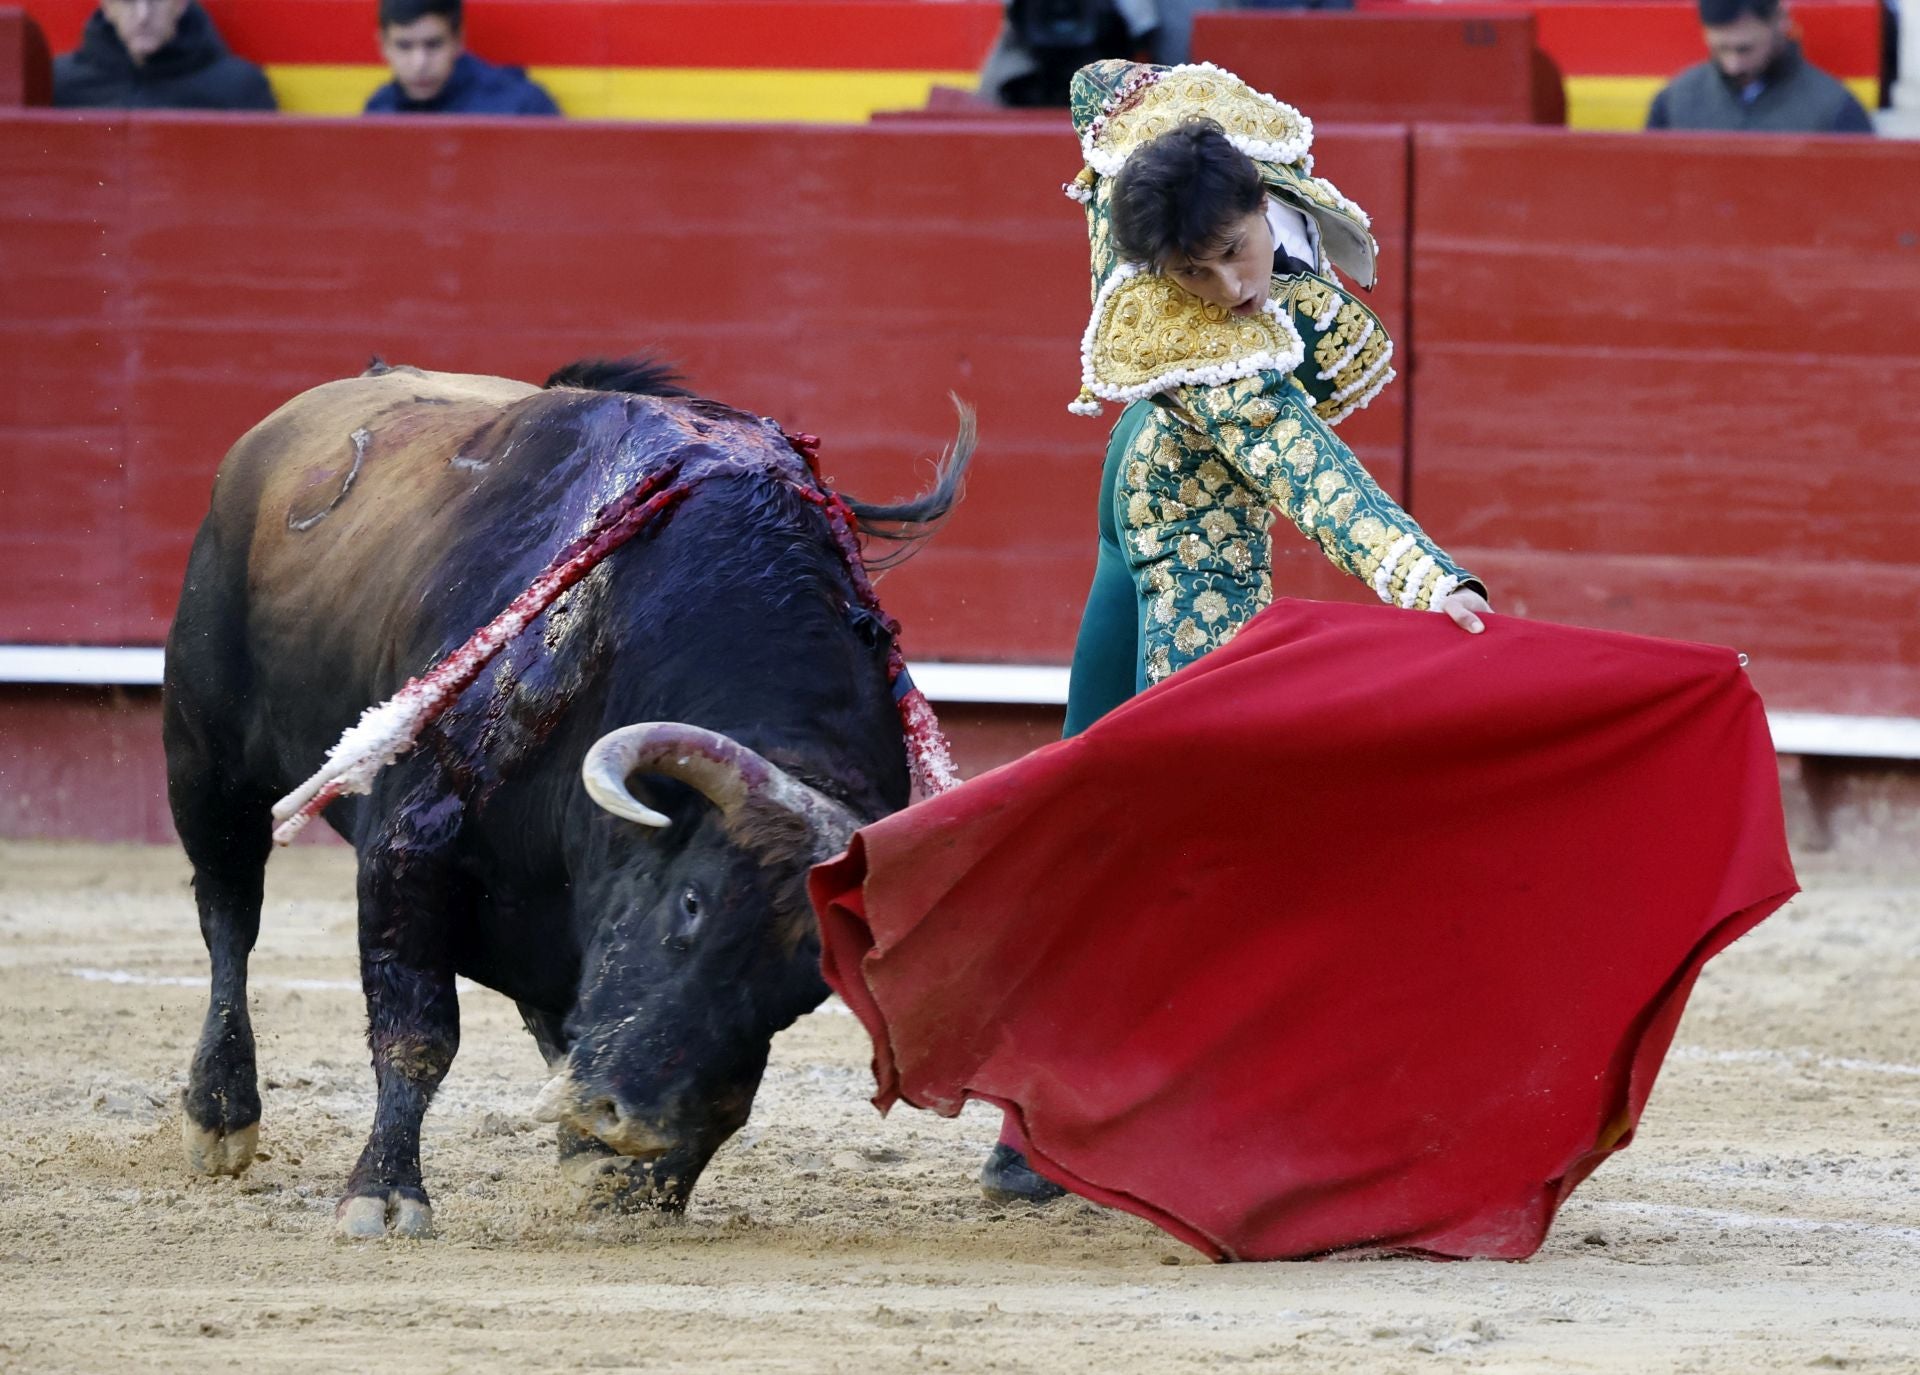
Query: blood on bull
x=612, y=819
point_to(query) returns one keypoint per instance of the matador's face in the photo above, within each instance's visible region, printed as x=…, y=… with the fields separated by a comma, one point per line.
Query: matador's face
x=1237, y=274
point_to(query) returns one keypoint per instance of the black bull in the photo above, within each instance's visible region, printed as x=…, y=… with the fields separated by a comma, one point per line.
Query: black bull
x=652, y=925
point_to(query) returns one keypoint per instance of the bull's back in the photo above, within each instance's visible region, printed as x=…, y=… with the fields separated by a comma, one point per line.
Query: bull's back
x=307, y=579
x=356, y=485
x=371, y=525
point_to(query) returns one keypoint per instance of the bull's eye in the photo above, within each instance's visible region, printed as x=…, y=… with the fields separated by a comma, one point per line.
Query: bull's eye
x=686, y=918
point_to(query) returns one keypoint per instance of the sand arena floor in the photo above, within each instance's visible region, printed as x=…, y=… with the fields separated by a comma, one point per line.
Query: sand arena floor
x=1768, y=1217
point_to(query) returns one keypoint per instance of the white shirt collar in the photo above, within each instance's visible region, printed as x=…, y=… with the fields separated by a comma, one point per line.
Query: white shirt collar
x=1294, y=233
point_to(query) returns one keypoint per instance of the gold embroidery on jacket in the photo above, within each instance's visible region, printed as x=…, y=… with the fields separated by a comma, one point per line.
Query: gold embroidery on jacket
x=1195, y=515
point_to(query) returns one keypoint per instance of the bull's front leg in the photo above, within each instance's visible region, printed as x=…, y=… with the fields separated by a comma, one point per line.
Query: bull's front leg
x=410, y=898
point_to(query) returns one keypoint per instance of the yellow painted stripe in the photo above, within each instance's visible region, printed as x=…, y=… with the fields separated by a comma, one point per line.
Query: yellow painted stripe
x=1622, y=102
x=749, y=95
x=312, y=88
x=740, y=95
x=1610, y=102
x=731, y=95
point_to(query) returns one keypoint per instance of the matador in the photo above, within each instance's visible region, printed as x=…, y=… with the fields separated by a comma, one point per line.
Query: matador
x=1231, y=416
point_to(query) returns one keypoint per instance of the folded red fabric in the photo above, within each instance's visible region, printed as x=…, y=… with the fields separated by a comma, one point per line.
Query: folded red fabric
x=1360, y=933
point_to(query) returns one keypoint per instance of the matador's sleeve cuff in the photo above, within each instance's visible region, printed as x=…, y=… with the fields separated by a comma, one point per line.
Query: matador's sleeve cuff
x=1417, y=574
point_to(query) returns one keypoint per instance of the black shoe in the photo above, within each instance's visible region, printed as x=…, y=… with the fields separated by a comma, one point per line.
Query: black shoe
x=1007, y=1178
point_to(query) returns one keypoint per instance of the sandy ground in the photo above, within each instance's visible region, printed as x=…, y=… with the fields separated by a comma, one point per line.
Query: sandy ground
x=1768, y=1217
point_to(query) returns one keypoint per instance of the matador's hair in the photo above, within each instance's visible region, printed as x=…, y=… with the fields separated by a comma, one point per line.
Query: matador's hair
x=1179, y=194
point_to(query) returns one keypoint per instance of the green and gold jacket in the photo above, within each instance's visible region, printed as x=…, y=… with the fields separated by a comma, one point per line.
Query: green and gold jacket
x=1242, y=408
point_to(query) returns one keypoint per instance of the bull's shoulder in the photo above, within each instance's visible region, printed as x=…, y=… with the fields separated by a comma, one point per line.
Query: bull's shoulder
x=343, y=459
x=327, y=413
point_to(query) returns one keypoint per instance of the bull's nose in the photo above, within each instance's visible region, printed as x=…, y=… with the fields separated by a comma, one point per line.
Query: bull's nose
x=600, y=1113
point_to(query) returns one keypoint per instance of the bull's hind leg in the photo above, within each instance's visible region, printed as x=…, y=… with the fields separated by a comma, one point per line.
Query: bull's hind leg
x=227, y=833
x=410, y=895
x=224, y=820
x=220, y=1123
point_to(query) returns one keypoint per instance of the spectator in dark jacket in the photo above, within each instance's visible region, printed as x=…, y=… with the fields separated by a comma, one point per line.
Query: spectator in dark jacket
x=156, y=54
x=433, y=74
x=1756, y=79
x=1042, y=43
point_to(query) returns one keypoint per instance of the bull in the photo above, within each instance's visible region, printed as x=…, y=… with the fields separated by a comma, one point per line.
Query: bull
x=716, y=684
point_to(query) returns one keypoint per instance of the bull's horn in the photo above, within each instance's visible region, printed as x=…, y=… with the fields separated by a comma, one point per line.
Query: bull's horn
x=555, y=1100
x=728, y=773
x=605, y=770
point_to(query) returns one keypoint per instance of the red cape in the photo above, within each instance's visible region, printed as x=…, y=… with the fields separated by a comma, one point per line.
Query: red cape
x=1361, y=932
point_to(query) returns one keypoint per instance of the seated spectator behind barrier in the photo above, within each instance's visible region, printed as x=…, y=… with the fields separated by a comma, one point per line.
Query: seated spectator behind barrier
x=156, y=54
x=1756, y=79
x=434, y=74
x=1042, y=43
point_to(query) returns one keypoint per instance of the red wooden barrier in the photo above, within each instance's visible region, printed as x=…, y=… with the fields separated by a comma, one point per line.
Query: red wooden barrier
x=86, y=763
x=1671, y=386
x=26, y=69
x=1401, y=67
x=1664, y=385
x=83, y=764
x=173, y=278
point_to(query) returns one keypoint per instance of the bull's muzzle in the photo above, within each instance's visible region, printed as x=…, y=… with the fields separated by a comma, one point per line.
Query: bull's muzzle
x=600, y=1116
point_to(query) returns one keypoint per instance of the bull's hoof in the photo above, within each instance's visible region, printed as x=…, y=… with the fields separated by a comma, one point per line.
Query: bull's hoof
x=213, y=1151
x=363, y=1217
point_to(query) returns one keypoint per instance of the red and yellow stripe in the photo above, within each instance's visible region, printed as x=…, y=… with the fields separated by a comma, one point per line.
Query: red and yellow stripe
x=833, y=61
x=840, y=61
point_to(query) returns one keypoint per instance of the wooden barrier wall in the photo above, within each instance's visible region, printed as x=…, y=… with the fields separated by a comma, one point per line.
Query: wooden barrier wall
x=172, y=279
x=1662, y=385
x=1672, y=386
x=1472, y=67
x=26, y=64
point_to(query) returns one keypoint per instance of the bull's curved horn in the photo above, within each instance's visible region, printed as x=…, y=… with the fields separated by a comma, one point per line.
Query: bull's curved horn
x=604, y=772
x=728, y=773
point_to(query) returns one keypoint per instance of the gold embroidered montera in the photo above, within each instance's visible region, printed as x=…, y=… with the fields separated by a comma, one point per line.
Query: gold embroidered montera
x=1145, y=335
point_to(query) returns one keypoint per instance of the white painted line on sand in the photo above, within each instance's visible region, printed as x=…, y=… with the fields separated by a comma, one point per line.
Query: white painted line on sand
x=1799, y=1058
x=122, y=976
x=1724, y=1217
x=832, y=1007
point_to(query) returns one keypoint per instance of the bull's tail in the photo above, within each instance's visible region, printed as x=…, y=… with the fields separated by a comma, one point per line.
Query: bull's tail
x=905, y=524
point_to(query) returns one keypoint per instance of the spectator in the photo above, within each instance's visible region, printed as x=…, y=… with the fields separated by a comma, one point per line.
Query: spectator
x=1755, y=79
x=434, y=74
x=156, y=55
x=1042, y=43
